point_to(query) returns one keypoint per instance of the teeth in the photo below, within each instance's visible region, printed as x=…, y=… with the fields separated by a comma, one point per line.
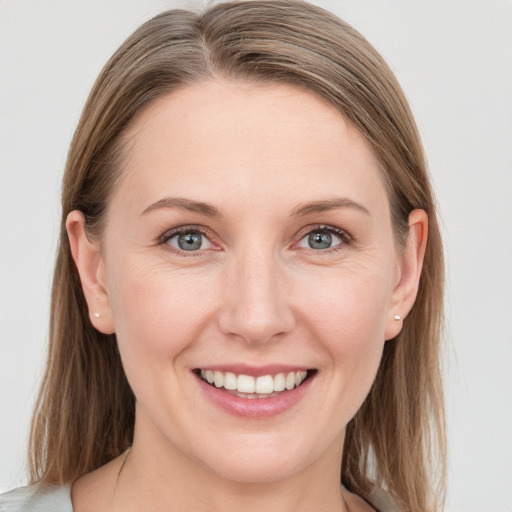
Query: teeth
x=279, y=382
x=264, y=385
x=219, y=379
x=290, y=381
x=230, y=381
x=248, y=386
x=299, y=377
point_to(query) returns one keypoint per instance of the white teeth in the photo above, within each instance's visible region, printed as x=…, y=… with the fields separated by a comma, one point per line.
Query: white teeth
x=299, y=377
x=248, y=386
x=279, y=382
x=264, y=385
x=219, y=379
x=230, y=381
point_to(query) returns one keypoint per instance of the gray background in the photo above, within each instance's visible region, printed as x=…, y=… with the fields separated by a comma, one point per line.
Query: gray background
x=454, y=60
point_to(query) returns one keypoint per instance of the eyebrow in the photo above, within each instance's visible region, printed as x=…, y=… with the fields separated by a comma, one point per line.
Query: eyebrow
x=301, y=210
x=330, y=204
x=199, y=207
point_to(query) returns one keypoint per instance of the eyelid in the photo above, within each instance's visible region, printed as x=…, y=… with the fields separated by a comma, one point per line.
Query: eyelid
x=164, y=237
x=170, y=233
x=346, y=238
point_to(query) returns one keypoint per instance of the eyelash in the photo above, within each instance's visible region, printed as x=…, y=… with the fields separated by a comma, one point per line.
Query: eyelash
x=182, y=230
x=346, y=238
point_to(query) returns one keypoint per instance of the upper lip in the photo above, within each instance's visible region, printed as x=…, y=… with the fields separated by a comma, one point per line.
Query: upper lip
x=254, y=371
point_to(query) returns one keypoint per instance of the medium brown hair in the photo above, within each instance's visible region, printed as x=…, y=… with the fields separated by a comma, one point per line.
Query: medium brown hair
x=85, y=411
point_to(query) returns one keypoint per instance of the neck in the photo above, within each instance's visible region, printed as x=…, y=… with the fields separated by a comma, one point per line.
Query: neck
x=158, y=476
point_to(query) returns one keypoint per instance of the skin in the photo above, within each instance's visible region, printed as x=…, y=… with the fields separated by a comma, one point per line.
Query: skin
x=255, y=293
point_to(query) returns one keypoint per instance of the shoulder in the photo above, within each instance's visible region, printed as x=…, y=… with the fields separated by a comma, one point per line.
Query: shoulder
x=376, y=501
x=37, y=498
x=382, y=501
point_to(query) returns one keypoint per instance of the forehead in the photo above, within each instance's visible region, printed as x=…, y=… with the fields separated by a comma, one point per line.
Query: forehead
x=217, y=137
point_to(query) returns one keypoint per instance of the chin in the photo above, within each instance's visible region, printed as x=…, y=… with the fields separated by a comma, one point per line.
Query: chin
x=258, y=469
x=267, y=457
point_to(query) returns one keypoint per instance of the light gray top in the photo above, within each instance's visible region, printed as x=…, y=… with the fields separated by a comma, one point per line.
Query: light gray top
x=37, y=498
x=57, y=498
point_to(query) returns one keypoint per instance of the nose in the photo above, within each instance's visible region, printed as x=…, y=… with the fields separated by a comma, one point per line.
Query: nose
x=256, y=303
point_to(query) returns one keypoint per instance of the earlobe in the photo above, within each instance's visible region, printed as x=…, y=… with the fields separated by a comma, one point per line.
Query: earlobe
x=411, y=265
x=89, y=262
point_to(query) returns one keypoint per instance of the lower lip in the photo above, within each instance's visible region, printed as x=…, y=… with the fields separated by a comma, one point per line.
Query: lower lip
x=255, y=408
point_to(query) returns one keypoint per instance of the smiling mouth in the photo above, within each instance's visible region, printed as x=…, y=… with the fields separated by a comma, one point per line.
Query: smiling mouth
x=248, y=386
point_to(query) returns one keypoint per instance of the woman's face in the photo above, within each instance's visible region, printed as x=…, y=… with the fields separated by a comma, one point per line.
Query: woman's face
x=249, y=238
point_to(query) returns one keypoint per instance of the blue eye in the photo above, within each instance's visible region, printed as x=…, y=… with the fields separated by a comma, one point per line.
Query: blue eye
x=323, y=238
x=189, y=240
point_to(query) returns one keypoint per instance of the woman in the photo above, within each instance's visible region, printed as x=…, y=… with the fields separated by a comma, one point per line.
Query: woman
x=248, y=292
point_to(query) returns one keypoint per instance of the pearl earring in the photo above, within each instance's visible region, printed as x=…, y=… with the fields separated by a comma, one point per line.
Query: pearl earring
x=96, y=315
x=398, y=317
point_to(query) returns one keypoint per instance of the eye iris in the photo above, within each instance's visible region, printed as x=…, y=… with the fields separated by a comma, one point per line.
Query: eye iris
x=190, y=241
x=320, y=240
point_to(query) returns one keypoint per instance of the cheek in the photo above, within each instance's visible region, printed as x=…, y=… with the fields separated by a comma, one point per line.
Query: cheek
x=158, y=312
x=347, y=317
x=350, y=307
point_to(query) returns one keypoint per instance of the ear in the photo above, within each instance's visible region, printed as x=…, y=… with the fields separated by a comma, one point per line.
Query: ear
x=90, y=265
x=410, y=266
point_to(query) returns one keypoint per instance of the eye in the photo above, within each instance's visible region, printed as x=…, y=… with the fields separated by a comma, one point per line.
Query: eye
x=188, y=240
x=323, y=238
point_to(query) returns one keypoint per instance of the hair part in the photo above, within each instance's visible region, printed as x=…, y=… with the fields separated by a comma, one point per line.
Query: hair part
x=85, y=412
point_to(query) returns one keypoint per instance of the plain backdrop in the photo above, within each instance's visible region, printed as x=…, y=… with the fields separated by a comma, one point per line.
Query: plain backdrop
x=454, y=60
